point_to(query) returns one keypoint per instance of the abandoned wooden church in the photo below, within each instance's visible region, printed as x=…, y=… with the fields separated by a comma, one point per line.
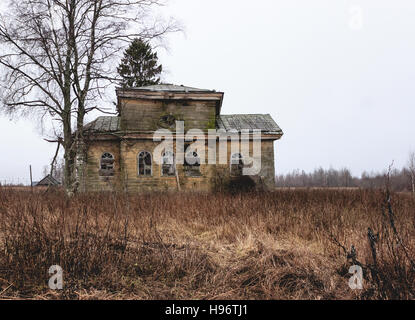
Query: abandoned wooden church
x=120, y=150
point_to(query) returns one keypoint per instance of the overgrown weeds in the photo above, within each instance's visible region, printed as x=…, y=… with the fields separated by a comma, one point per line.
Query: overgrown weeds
x=273, y=245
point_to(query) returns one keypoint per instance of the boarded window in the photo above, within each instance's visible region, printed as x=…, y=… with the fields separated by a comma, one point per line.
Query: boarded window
x=168, y=167
x=237, y=165
x=145, y=164
x=107, y=165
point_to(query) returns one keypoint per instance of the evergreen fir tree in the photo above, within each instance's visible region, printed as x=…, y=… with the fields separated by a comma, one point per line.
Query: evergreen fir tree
x=139, y=67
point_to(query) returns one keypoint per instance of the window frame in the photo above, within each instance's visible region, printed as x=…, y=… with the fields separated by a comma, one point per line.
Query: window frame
x=138, y=164
x=240, y=162
x=108, y=172
x=192, y=170
x=163, y=155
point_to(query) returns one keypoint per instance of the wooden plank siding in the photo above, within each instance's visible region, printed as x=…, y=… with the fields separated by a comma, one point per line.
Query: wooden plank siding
x=145, y=110
x=126, y=168
x=145, y=115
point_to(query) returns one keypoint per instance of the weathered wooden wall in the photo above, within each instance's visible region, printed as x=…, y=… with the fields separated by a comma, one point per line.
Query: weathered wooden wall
x=140, y=117
x=144, y=115
x=126, y=168
x=93, y=181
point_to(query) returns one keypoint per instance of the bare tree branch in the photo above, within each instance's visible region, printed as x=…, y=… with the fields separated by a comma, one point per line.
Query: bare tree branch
x=59, y=58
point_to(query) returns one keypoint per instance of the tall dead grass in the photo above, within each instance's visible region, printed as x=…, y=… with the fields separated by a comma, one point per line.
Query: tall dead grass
x=276, y=245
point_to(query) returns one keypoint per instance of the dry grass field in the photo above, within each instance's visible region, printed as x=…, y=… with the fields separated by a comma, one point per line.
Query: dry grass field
x=287, y=244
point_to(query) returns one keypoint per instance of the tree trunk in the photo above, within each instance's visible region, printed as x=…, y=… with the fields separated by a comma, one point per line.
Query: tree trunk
x=62, y=63
x=80, y=149
x=69, y=157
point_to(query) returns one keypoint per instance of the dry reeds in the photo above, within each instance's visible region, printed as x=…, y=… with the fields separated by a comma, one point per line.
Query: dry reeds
x=276, y=245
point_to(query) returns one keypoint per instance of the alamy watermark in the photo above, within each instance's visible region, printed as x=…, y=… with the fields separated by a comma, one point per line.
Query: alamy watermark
x=356, y=281
x=56, y=280
x=202, y=148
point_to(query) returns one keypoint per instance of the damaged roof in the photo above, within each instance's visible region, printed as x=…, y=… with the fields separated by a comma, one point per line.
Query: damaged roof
x=238, y=122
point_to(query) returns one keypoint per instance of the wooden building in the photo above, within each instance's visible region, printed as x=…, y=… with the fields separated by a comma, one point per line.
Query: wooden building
x=47, y=181
x=120, y=151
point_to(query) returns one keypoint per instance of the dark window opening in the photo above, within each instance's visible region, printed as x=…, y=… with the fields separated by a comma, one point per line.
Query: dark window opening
x=192, y=164
x=237, y=165
x=168, y=167
x=145, y=164
x=107, y=165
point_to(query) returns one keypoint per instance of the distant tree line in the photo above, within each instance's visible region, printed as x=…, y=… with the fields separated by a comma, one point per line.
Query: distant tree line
x=400, y=179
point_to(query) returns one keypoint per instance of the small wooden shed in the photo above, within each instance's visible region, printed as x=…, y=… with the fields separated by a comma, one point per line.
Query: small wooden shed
x=47, y=181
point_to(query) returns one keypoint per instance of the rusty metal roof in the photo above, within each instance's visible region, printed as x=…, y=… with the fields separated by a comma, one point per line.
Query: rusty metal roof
x=238, y=122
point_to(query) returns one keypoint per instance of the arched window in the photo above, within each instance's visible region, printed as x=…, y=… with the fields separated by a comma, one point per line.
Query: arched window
x=168, y=167
x=237, y=165
x=107, y=165
x=145, y=164
x=192, y=164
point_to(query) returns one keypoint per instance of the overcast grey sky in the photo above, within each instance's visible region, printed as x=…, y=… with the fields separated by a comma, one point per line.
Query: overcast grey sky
x=341, y=88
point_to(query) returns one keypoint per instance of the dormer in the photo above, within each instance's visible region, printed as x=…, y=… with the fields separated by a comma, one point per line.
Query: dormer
x=147, y=109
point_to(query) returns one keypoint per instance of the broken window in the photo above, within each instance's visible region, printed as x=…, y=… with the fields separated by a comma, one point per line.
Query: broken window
x=237, y=165
x=107, y=165
x=145, y=164
x=192, y=164
x=168, y=164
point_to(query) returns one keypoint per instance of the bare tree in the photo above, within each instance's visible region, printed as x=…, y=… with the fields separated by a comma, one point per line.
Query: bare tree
x=58, y=58
x=411, y=167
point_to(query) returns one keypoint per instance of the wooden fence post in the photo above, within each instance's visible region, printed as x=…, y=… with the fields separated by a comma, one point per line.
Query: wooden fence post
x=31, y=180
